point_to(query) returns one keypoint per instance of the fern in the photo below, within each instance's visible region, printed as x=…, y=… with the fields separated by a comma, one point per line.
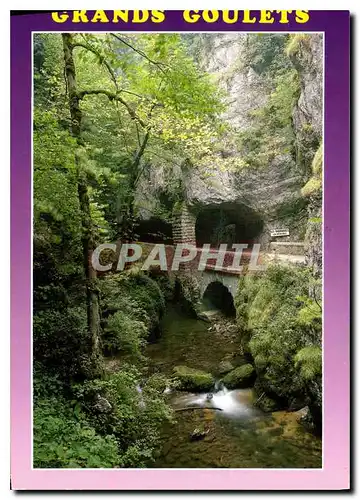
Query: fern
x=309, y=361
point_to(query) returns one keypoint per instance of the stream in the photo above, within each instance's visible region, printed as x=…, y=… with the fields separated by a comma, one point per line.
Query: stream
x=223, y=430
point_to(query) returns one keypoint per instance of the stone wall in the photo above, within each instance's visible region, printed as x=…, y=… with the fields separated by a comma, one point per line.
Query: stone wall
x=184, y=226
x=207, y=277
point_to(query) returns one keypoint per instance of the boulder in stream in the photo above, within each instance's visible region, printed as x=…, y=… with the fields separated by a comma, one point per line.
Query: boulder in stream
x=241, y=377
x=193, y=380
x=198, y=433
x=225, y=366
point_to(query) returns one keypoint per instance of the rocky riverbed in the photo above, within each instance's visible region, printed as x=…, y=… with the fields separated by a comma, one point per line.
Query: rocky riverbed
x=220, y=427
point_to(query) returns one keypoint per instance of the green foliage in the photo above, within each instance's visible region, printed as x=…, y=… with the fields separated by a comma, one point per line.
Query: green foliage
x=64, y=439
x=132, y=305
x=144, y=103
x=61, y=342
x=85, y=432
x=295, y=43
x=311, y=314
x=314, y=185
x=318, y=161
x=46, y=385
x=56, y=208
x=143, y=99
x=171, y=99
x=188, y=291
x=191, y=379
x=123, y=333
x=132, y=415
x=307, y=143
x=309, y=361
x=265, y=53
x=315, y=220
x=272, y=132
x=279, y=319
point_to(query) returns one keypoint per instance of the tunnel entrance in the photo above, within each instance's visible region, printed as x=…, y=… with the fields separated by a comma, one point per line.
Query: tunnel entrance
x=217, y=296
x=227, y=223
x=154, y=230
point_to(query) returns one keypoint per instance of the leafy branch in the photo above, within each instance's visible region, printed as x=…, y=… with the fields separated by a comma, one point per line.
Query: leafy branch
x=140, y=52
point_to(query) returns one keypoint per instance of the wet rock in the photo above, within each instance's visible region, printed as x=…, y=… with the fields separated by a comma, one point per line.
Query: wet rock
x=191, y=379
x=302, y=413
x=198, y=434
x=307, y=420
x=204, y=316
x=267, y=404
x=225, y=367
x=241, y=377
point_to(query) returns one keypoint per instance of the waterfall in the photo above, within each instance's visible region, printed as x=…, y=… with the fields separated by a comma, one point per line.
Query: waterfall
x=142, y=403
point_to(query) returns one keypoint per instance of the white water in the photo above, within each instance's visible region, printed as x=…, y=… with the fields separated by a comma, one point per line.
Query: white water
x=232, y=403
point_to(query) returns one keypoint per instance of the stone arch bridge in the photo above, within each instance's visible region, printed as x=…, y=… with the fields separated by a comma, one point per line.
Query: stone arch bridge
x=191, y=229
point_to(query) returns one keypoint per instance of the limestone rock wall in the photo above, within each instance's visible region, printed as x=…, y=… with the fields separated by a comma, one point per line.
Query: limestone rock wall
x=307, y=57
x=271, y=191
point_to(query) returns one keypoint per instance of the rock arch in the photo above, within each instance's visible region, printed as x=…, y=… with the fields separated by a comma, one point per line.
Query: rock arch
x=217, y=296
x=228, y=281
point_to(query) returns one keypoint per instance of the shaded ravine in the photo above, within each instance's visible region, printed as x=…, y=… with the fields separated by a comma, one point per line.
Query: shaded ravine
x=235, y=434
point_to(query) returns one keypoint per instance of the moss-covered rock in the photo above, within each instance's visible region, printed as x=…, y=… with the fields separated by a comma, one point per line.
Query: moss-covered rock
x=193, y=380
x=295, y=43
x=225, y=366
x=242, y=376
x=314, y=184
x=283, y=325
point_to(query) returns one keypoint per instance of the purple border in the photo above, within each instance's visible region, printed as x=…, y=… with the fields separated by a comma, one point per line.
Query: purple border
x=335, y=472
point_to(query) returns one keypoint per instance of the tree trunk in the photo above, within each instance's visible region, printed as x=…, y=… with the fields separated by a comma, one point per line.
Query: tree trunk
x=92, y=298
x=128, y=219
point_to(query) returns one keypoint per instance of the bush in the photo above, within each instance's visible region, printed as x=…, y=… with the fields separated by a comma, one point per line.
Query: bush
x=132, y=305
x=282, y=326
x=63, y=439
x=295, y=42
x=309, y=361
x=314, y=185
x=271, y=136
x=61, y=342
x=119, y=406
x=123, y=333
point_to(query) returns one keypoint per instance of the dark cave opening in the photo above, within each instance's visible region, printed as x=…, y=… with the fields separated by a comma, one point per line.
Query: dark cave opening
x=227, y=223
x=154, y=230
x=217, y=296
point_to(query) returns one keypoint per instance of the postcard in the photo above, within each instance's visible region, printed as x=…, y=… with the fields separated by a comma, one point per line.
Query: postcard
x=180, y=298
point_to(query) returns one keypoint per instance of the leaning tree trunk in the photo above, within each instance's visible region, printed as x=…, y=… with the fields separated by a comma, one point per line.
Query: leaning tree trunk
x=128, y=219
x=93, y=317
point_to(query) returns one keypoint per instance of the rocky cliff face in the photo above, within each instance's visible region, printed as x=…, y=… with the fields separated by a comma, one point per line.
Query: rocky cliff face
x=307, y=56
x=306, y=53
x=263, y=190
x=274, y=190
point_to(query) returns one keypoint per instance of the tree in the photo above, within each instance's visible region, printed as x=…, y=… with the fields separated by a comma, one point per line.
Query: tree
x=88, y=246
x=164, y=105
